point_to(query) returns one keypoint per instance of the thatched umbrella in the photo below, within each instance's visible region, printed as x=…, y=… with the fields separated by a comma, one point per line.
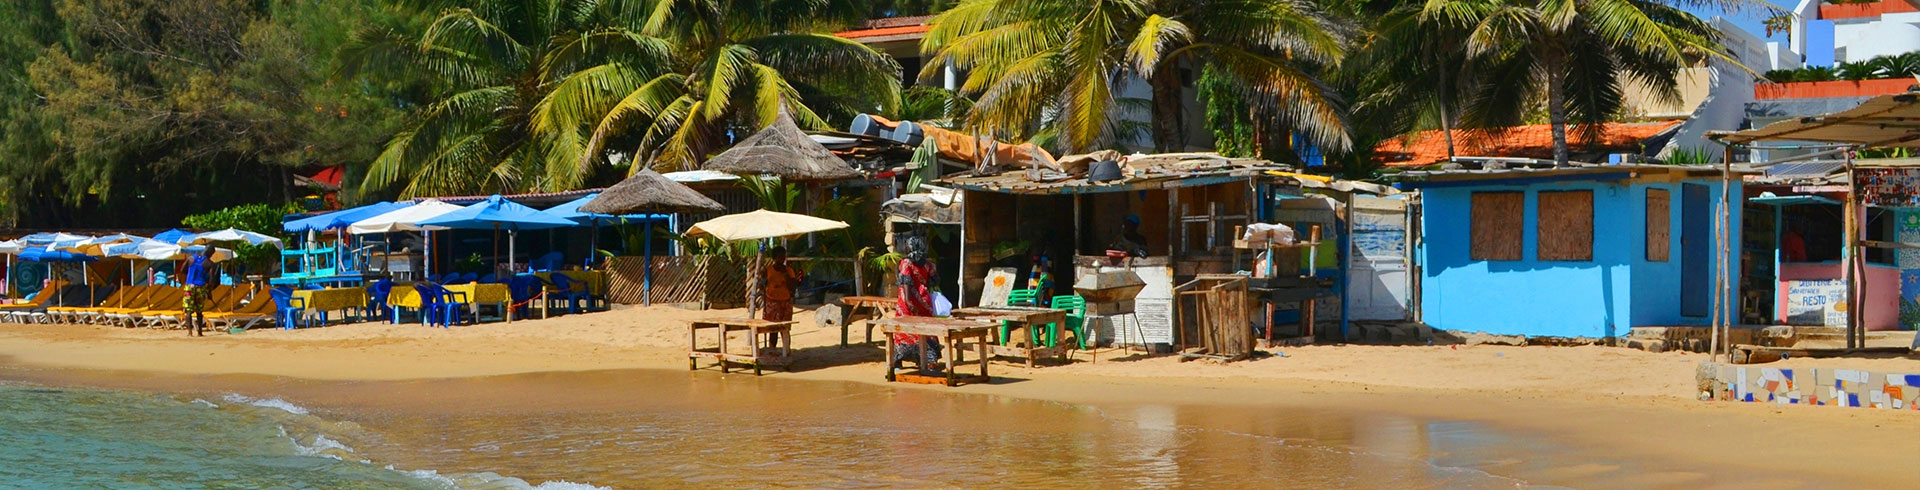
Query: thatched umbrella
x=783, y=150
x=646, y=191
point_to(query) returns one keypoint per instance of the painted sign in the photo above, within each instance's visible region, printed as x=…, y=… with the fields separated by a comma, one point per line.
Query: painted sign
x=1889, y=187
x=1821, y=302
x=999, y=285
x=1154, y=304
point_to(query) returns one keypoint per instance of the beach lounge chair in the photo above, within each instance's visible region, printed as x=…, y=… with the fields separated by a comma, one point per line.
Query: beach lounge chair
x=221, y=298
x=87, y=297
x=254, y=306
x=71, y=296
x=166, y=298
x=119, y=299
x=37, y=302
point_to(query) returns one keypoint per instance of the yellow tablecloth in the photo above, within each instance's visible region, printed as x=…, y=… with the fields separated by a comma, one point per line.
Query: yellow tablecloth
x=596, y=280
x=407, y=297
x=484, y=293
x=333, y=299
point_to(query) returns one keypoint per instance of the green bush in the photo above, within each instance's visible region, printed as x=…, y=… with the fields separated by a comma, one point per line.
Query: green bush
x=257, y=218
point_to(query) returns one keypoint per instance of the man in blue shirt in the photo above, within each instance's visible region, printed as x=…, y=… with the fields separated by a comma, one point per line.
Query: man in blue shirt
x=198, y=293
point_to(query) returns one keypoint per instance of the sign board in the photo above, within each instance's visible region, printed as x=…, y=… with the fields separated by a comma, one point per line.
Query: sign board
x=1000, y=281
x=1154, y=305
x=1889, y=187
x=1821, y=302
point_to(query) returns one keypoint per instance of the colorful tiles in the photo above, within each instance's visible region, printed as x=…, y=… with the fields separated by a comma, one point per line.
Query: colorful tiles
x=1814, y=386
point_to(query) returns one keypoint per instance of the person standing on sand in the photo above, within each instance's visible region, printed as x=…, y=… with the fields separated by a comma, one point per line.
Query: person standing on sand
x=198, y=294
x=779, y=281
x=916, y=299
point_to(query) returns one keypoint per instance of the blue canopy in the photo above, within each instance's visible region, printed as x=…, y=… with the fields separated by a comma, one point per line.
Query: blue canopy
x=172, y=236
x=571, y=211
x=341, y=218
x=497, y=213
x=44, y=255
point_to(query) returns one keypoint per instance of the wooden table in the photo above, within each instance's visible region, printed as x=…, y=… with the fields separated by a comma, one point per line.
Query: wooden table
x=1022, y=318
x=876, y=307
x=950, y=332
x=755, y=355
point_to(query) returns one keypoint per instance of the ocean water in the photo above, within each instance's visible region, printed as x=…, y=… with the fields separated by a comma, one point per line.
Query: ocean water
x=88, y=438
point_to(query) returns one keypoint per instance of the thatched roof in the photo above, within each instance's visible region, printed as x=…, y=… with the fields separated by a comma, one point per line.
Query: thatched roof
x=784, y=150
x=647, y=191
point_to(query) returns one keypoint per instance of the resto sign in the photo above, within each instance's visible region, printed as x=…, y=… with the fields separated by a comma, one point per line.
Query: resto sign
x=1889, y=187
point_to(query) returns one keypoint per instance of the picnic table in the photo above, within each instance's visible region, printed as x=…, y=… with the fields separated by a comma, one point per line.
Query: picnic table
x=1024, y=319
x=951, y=332
x=875, y=307
x=755, y=356
x=332, y=299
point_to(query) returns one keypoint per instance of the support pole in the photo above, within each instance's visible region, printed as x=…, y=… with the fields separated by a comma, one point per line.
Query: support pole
x=1851, y=255
x=646, y=278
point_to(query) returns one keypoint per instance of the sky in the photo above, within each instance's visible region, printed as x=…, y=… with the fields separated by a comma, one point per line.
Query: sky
x=1749, y=21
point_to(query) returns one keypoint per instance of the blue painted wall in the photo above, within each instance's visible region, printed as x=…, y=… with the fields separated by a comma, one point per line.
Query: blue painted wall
x=1618, y=289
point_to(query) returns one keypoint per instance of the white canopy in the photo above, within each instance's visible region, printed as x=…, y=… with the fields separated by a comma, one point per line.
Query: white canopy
x=404, y=219
x=762, y=224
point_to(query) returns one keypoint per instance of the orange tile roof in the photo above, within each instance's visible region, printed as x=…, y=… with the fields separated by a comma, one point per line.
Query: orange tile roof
x=1861, y=10
x=1535, y=141
x=1836, y=88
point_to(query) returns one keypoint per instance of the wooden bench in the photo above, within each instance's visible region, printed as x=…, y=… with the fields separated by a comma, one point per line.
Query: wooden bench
x=756, y=355
x=951, y=333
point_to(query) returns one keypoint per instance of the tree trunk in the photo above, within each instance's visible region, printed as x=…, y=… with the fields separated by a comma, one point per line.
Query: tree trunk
x=1557, y=103
x=1169, y=127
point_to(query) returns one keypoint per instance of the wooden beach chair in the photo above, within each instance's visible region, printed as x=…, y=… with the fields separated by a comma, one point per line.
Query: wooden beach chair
x=257, y=306
x=176, y=317
x=168, y=297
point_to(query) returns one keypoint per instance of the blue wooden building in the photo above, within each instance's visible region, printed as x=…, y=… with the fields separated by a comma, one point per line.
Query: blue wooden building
x=1521, y=247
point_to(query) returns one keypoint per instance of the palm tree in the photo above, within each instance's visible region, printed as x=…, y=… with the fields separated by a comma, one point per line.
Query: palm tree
x=1030, y=60
x=1411, y=73
x=1581, y=54
x=492, y=64
x=735, y=63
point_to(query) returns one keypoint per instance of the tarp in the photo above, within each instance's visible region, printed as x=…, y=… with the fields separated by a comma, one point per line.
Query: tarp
x=496, y=213
x=940, y=207
x=403, y=219
x=1884, y=121
x=342, y=218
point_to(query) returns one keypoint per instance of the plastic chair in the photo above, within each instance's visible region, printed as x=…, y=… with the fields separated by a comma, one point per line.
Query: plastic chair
x=437, y=303
x=523, y=289
x=1076, y=307
x=377, y=297
x=489, y=279
x=562, y=289
x=545, y=263
x=469, y=278
x=1017, y=297
x=291, y=311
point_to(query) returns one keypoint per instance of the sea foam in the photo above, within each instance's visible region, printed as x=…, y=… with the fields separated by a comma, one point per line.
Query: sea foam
x=265, y=402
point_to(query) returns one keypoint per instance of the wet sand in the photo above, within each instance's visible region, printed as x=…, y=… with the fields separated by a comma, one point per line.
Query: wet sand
x=1589, y=416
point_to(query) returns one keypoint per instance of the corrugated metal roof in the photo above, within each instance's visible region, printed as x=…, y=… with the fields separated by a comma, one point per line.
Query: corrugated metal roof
x=1477, y=167
x=1141, y=173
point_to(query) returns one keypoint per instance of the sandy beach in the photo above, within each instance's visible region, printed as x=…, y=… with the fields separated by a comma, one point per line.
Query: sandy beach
x=1615, y=401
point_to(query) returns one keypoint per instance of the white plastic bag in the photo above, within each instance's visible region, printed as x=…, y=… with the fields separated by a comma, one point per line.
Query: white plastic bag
x=1266, y=232
x=941, y=307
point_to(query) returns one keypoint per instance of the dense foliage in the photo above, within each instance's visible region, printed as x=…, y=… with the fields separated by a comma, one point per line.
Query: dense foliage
x=257, y=218
x=140, y=112
x=1905, y=65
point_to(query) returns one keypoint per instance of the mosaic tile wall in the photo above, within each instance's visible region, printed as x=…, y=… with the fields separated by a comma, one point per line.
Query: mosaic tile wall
x=1811, y=386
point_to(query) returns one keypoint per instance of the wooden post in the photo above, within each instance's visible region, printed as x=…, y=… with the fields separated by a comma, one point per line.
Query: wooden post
x=1851, y=255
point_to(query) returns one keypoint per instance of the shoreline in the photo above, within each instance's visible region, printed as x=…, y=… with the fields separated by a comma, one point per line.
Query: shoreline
x=1597, y=392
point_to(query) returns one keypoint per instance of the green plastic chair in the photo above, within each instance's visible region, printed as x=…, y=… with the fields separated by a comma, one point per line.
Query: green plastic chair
x=1076, y=307
x=1017, y=297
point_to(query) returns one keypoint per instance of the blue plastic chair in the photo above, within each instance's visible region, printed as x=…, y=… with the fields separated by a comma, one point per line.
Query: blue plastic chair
x=562, y=290
x=291, y=312
x=523, y=289
x=469, y=278
x=546, y=263
x=438, y=305
x=377, y=297
x=489, y=279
